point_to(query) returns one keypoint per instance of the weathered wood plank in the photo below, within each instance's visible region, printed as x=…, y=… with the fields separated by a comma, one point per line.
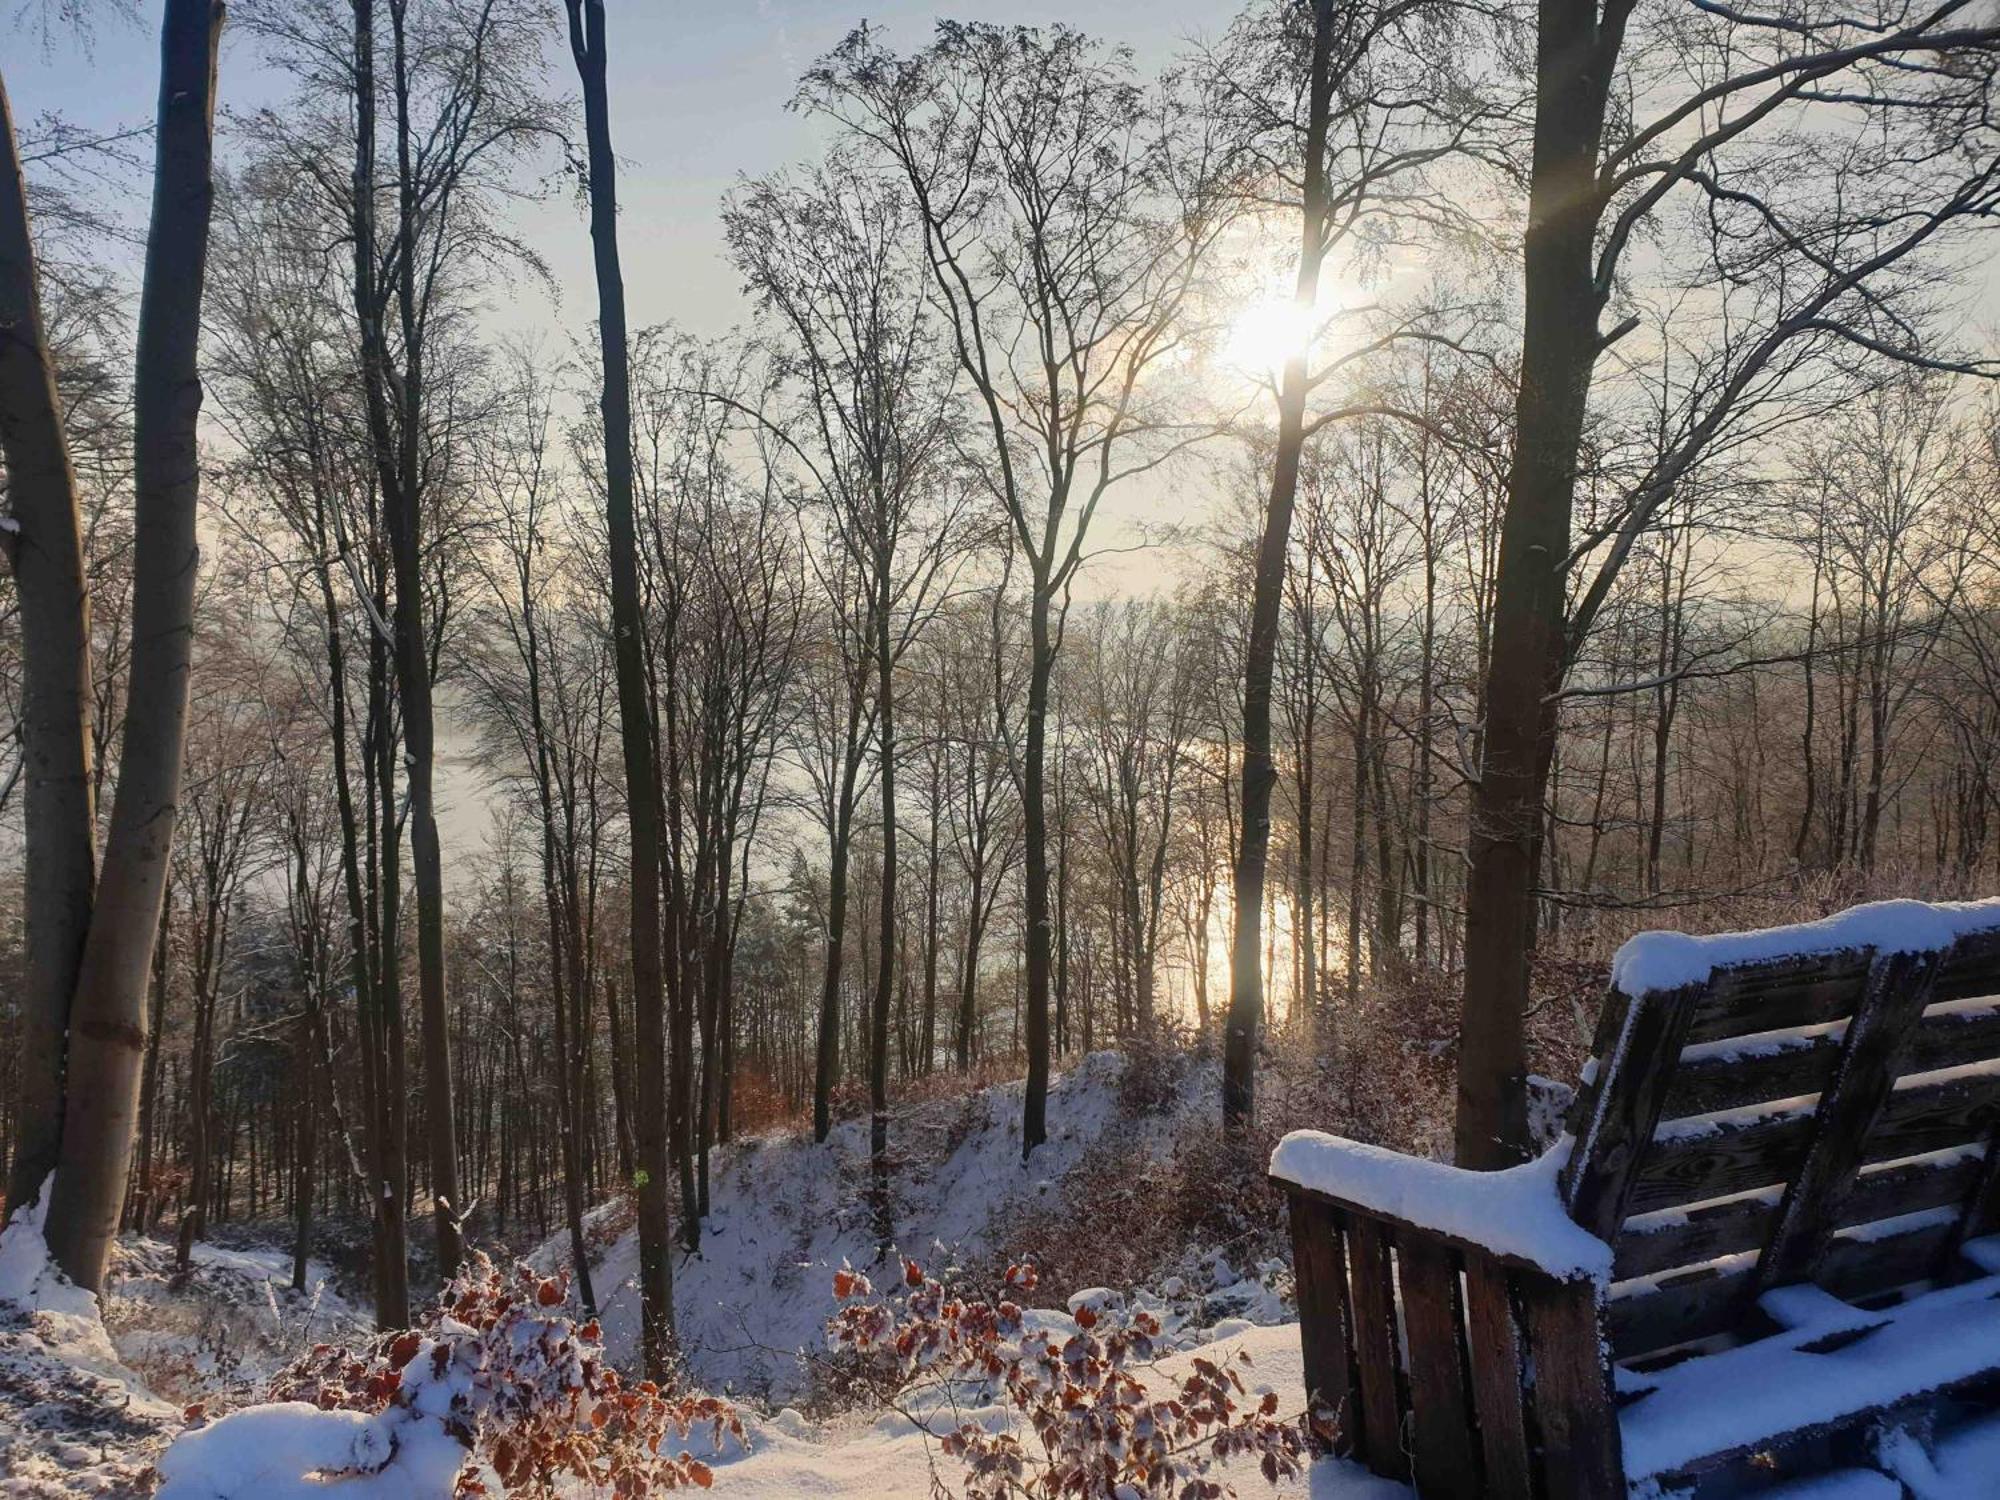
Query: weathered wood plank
x=1856, y=1268
x=1497, y=1370
x=1971, y=968
x=1444, y=1458
x=1787, y=992
x=1372, y=1300
x=1574, y=1412
x=1721, y=1077
x=1319, y=1270
x=1678, y=1309
x=1725, y=1157
x=1619, y=1131
x=1898, y=989
x=1734, y=1225
x=1603, y=1047
x=1722, y=1157
x=1400, y=1228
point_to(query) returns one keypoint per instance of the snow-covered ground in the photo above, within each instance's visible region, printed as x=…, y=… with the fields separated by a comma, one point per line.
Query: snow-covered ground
x=786, y=1214
x=89, y=1397
x=88, y=1402
x=888, y=1458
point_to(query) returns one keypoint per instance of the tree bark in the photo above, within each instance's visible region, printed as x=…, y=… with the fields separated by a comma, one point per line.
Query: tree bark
x=1574, y=61
x=58, y=802
x=108, y=1016
x=656, y=1285
x=885, y=972
x=1246, y=976
x=1034, y=802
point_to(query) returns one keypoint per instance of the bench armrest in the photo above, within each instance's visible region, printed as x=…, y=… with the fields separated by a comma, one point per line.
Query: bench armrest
x=1515, y=1216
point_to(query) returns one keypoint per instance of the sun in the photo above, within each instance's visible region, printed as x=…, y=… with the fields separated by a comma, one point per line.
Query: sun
x=1265, y=335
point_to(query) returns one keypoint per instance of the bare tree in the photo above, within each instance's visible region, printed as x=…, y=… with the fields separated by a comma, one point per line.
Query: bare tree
x=107, y=1018
x=656, y=1285
x=829, y=255
x=1818, y=157
x=1064, y=224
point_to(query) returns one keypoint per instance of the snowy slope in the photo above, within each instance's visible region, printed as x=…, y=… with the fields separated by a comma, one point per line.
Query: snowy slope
x=73, y=1419
x=786, y=1213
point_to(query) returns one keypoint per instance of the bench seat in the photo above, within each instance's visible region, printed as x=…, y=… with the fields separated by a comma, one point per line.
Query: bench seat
x=1694, y=1415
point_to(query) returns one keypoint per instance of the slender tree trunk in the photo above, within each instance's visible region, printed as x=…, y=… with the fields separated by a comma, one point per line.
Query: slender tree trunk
x=58, y=802
x=928, y=1044
x=108, y=1016
x=1041, y=667
x=968, y=990
x=656, y=1285
x=885, y=973
x=397, y=457
x=1558, y=349
x=1246, y=977
x=827, y=1058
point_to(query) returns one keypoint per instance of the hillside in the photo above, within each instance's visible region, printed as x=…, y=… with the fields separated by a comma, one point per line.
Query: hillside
x=89, y=1402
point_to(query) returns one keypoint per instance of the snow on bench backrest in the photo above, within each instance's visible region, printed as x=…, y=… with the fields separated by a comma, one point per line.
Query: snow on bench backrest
x=1808, y=1103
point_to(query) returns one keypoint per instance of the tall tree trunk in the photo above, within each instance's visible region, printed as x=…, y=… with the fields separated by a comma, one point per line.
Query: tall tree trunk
x=885, y=972
x=826, y=1065
x=1559, y=345
x=1034, y=800
x=397, y=458
x=59, y=807
x=656, y=1284
x=968, y=989
x=927, y=1044
x=1246, y=976
x=108, y=1017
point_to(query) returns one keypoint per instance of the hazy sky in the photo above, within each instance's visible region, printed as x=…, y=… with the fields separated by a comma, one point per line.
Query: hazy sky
x=698, y=96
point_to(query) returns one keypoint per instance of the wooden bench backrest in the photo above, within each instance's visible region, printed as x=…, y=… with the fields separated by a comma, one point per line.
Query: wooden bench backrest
x=1823, y=1118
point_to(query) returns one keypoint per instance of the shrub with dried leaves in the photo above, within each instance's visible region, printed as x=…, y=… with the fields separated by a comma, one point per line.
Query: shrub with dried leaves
x=524, y=1388
x=1103, y=1432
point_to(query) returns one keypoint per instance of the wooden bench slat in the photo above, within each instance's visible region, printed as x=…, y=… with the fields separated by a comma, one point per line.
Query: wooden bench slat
x=1319, y=1273
x=1898, y=989
x=1858, y=1267
x=1930, y=1114
x=1724, y=1076
x=1696, y=1304
x=1618, y=1132
x=1773, y=996
x=1440, y=1403
x=1372, y=1299
x=1497, y=1372
x=1739, y=1224
x=1972, y=967
x=1713, y=1299
x=1575, y=1417
x=1723, y=1080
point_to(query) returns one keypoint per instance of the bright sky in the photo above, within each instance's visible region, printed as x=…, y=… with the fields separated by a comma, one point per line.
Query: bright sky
x=698, y=96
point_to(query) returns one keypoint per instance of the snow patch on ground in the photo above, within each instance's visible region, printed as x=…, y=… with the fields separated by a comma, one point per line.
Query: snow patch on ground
x=893, y=1458
x=73, y=1419
x=785, y=1214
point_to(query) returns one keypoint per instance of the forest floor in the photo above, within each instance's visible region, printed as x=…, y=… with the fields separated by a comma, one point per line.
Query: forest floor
x=89, y=1401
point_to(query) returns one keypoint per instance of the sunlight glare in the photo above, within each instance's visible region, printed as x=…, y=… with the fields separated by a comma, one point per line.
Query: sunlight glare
x=1265, y=335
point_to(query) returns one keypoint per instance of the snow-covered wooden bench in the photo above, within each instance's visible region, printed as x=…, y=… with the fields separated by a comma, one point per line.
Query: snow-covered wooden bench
x=1762, y=1243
